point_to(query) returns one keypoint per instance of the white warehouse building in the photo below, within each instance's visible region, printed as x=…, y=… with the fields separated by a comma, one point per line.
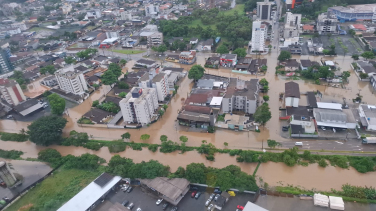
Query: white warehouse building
x=71, y=80
x=139, y=105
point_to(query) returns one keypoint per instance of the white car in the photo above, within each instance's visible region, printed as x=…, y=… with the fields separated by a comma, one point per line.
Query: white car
x=207, y=202
x=138, y=209
x=210, y=207
x=159, y=201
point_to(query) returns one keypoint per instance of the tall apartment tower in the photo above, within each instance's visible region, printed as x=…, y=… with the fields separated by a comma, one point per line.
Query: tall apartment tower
x=259, y=32
x=292, y=25
x=264, y=10
x=5, y=64
x=6, y=175
x=71, y=80
x=11, y=91
x=139, y=105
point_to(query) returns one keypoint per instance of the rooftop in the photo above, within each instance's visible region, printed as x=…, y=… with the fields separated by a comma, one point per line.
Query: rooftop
x=146, y=61
x=193, y=116
x=292, y=89
x=250, y=89
x=158, y=77
x=170, y=188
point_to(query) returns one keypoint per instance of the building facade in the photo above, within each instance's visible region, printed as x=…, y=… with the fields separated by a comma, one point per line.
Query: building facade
x=139, y=105
x=292, y=25
x=11, y=91
x=5, y=64
x=71, y=80
x=264, y=10
x=259, y=32
x=160, y=83
x=327, y=23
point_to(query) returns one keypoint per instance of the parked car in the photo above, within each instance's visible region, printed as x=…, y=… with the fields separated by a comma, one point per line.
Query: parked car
x=193, y=194
x=217, y=190
x=285, y=128
x=174, y=208
x=125, y=203
x=323, y=128
x=159, y=201
x=216, y=197
x=210, y=207
x=207, y=202
x=125, y=188
x=130, y=206
x=9, y=116
x=198, y=194
x=45, y=106
x=165, y=205
x=139, y=209
x=240, y=207
x=129, y=189
x=211, y=197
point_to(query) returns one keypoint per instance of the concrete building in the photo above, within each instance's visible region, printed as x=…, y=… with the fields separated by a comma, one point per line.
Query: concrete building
x=354, y=12
x=20, y=25
x=292, y=94
x=139, y=105
x=93, y=14
x=241, y=96
x=327, y=23
x=112, y=34
x=5, y=64
x=160, y=83
x=367, y=115
x=259, y=32
x=126, y=15
x=71, y=80
x=66, y=8
x=264, y=10
x=151, y=10
x=11, y=91
x=292, y=25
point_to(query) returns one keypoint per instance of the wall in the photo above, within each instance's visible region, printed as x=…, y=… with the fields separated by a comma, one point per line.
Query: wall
x=292, y=101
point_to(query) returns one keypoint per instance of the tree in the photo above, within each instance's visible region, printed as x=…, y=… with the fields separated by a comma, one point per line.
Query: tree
x=345, y=75
x=57, y=104
x=122, y=94
x=196, y=72
x=95, y=103
x=323, y=163
x=355, y=56
x=145, y=137
x=164, y=106
x=70, y=60
x=123, y=85
x=163, y=138
x=273, y=143
x=47, y=69
x=222, y=49
x=284, y=55
x=109, y=78
x=126, y=135
x=225, y=143
x=263, y=114
x=266, y=98
x=46, y=130
x=195, y=173
x=41, y=18
x=183, y=139
x=326, y=52
x=352, y=32
x=368, y=55
x=241, y=52
x=161, y=112
x=115, y=68
x=160, y=49
x=122, y=62
x=54, y=23
x=363, y=75
x=264, y=82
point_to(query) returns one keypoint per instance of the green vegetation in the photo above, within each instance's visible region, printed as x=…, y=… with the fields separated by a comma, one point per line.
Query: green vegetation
x=84, y=120
x=221, y=117
x=238, y=9
x=18, y=137
x=108, y=106
x=47, y=69
x=46, y=130
x=317, y=72
x=284, y=55
x=128, y=51
x=11, y=154
x=196, y=72
x=273, y=143
x=57, y=104
x=262, y=114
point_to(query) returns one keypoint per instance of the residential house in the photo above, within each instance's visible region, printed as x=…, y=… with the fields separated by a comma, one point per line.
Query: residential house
x=292, y=94
x=207, y=45
x=367, y=115
x=98, y=116
x=49, y=81
x=308, y=28
x=228, y=60
x=366, y=67
x=290, y=65
x=257, y=65
x=244, y=64
x=187, y=57
x=193, y=41
x=212, y=62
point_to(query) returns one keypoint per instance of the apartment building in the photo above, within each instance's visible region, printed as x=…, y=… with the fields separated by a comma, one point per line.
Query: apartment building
x=327, y=23
x=66, y=8
x=126, y=15
x=151, y=10
x=160, y=83
x=241, y=96
x=259, y=32
x=292, y=25
x=71, y=80
x=139, y=105
x=264, y=10
x=11, y=91
x=5, y=64
x=20, y=25
x=93, y=14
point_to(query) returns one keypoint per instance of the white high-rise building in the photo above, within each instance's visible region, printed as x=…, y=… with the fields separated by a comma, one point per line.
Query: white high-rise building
x=264, y=10
x=71, y=80
x=259, y=32
x=292, y=25
x=139, y=105
x=160, y=83
x=126, y=15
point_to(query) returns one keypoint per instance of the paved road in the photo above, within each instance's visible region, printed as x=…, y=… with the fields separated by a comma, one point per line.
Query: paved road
x=351, y=145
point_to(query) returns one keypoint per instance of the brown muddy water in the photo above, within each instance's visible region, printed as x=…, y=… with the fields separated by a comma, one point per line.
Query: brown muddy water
x=275, y=174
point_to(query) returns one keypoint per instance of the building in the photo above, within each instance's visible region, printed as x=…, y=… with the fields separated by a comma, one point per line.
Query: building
x=367, y=115
x=193, y=40
x=20, y=25
x=5, y=63
x=139, y=105
x=151, y=10
x=259, y=32
x=112, y=34
x=146, y=63
x=153, y=38
x=207, y=45
x=253, y=207
x=187, y=57
x=6, y=175
x=171, y=190
x=126, y=15
x=228, y=60
x=93, y=14
x=27, y=107
x=292, y=25
x=355, y=12
x=290, y=65
x=66, y=8
x=292, y=94
x=264, y=10
x=331, y=115
x=11, y=91
x=71, y=81
x=241, y=96
x=160, y=83
x=93, y=194
x=98, y=116
x=327, y=23
x=366, y=67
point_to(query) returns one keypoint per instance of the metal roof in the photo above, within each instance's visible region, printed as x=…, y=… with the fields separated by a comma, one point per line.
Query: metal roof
x=335, y=106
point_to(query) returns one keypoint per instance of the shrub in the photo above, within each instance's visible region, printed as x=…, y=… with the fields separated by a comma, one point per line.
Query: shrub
x=116, y=147
x=153, y=147
x=12, y=154
x=323, y=163
x=234, y=152
x=14, y=137
x=135, y=146
x=93, y=146
x=210, y=157
x=51, y=156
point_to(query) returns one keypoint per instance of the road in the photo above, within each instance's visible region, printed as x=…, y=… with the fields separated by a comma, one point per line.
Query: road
x=351, y=145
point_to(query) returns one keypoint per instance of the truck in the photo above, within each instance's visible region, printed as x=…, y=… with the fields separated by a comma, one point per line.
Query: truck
x=369, y=140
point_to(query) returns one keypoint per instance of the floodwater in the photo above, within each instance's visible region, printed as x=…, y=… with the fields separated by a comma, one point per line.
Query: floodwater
x=310, y=177
x=34, y=89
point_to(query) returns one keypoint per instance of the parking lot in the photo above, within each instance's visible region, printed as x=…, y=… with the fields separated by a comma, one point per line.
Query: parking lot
x=342, y=43
x=147, y=202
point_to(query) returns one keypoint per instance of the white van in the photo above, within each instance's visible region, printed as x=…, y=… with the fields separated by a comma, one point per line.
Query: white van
x=300, y=144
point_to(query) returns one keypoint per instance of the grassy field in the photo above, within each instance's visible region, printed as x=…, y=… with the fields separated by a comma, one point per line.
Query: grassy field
x=238, y=7
x=37, y=29
x=128, y=51
x=55, y=190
